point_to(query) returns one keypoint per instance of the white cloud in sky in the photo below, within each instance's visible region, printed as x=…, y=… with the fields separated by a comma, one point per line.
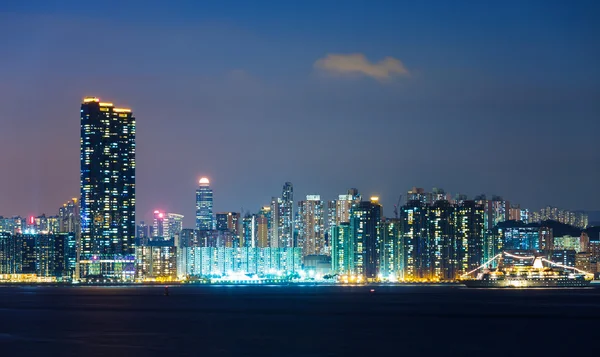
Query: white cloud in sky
x=358, y=64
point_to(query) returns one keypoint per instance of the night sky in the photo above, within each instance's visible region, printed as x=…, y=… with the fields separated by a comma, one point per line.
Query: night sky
x=474, y=97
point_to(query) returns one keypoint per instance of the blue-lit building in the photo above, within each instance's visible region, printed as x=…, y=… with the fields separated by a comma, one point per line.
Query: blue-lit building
x=216, y=262
x=204, y=206
x=107, y=190
x=342, y=249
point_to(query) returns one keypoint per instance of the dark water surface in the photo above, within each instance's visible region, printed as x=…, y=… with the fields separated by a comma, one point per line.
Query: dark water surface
x=298, y=321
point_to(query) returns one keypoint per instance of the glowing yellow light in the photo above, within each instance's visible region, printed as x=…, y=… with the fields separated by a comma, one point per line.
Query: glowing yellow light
x=122, y=110
x=374, y=198
x=106, y=104
x=204, y=181
x=90, y=99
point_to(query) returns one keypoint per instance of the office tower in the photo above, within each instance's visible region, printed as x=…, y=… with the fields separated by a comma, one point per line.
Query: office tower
x=442, y=241
x=107, y=202
x=415, y=241
x=204, y=206
x=160, y=226
x=311, y=232
x=469, y=231
x=175, y=225
x=286, y=216
x=166, y=226
x=365, y=220
x=390, y=256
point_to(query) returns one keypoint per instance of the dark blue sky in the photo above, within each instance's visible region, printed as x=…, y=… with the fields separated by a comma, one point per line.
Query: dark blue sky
x=475, y=97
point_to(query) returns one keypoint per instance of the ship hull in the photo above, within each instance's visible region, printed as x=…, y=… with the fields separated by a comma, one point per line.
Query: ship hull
x=528, y=283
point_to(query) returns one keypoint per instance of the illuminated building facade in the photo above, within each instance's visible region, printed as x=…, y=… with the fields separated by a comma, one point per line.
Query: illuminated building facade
x=13, y=225
x=390, y=262
x=342, y=249
x=469, y=234
x=217, y=262
x=286, y=217
x=443, y=245
x=204, y=206
x=275, y=226
x=43, y=255
x=365, y=225
x=107, y=204
x=415, y=241
x=311, y=232
x=249, y=230
x=160, y=227
x=156, y=260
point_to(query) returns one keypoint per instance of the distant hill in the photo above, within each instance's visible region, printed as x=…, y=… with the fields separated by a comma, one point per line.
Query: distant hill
x=593, y=233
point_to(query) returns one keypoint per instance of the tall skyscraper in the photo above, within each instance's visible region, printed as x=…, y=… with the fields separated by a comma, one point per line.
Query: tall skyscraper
x=415, y=241
x=275, y=223
x=142, y=233
x=342, y=249
x=107, y=189
x=469, y=227
x=311, y=232
x=68, y=217
x=365, y=226
x=160, y=227
x=166, y=226
x=204, y=206
x=175, y=224
x=264, y=229
x=286, y=236
x=391, y=251
x=444, y=250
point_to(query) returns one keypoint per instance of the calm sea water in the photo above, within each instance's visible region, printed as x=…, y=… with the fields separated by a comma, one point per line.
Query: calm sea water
x=297, y=321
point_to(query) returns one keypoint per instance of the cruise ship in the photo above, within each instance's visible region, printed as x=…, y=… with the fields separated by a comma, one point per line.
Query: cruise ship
x=530, y=276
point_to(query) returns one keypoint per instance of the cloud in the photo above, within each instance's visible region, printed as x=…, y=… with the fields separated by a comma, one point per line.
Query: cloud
x=357, y=63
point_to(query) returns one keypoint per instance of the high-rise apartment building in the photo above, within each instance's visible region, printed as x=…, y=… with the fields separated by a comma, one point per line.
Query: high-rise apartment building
x=365, y=225
x=311, y=232
x=204, y=206
x=415, y=241
x=264, y=228
x=107, y=205
x=231, y=222
x=286, y=216
x=342, y=249
x=469, y=235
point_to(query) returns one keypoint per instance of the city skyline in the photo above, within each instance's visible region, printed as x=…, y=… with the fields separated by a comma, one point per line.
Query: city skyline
x=460, y=113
